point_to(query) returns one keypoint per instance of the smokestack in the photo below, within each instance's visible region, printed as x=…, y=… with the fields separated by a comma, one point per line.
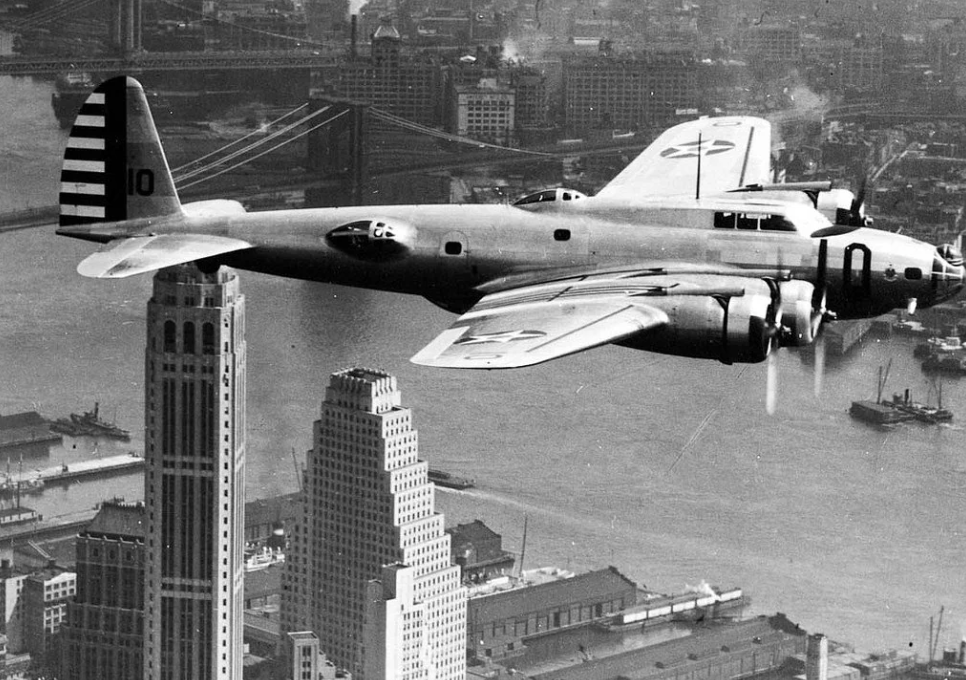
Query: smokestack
x=353, y=36
x=962, y=651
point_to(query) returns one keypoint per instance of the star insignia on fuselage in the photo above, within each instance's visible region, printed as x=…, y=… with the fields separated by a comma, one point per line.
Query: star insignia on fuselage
x=502, y=337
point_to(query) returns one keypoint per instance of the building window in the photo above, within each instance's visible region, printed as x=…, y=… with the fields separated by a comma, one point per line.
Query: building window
x=189, y=338
x=208, y=338
x=170, y=333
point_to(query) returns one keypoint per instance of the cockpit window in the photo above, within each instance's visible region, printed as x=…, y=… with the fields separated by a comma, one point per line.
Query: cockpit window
x=752, y=222
x=539, y=197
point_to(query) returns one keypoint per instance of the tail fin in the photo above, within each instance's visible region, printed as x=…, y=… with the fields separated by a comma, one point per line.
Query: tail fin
x=114, y=166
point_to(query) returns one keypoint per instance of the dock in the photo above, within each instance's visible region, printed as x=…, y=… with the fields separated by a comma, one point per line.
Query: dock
x=20, y=429
x=98, y=467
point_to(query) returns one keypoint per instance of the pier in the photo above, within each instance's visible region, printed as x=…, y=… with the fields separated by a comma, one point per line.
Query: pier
x=68, y=472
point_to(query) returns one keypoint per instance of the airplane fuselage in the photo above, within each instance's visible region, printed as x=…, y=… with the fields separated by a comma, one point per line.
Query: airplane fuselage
x=452, y=254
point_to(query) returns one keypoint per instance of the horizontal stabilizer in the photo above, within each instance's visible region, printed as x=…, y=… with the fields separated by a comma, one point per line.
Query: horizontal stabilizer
x=141, y=254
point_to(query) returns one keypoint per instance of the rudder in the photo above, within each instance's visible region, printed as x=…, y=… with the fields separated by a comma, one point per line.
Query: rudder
x=114, y=167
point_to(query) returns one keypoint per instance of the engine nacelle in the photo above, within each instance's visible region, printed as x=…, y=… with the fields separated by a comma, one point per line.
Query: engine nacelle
x=374, y=240
x=746, y=336
x=730, y=328
x=838, y=206
x=800, y=320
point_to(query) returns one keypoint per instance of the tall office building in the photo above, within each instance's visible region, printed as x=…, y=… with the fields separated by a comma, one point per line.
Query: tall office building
x=103, y=636
x=195, y=475
x=368, y=504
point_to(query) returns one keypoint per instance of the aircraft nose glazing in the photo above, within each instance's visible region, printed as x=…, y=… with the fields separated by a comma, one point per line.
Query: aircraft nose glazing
x=947, y=276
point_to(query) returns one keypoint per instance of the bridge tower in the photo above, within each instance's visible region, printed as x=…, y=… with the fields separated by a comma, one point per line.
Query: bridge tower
x=336, y=152
x=126, y=26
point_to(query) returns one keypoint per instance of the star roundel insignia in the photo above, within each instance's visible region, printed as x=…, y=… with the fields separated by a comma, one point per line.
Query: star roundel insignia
x=690, y=149
x=501, y=337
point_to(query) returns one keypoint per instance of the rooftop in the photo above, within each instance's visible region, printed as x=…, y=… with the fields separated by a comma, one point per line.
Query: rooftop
x=273, y=509
x=19, y=420
x=584, y=587
x=118, y=519
x=473, y=532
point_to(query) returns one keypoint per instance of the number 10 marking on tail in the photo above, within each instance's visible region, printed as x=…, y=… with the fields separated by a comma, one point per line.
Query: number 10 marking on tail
x=140, y=182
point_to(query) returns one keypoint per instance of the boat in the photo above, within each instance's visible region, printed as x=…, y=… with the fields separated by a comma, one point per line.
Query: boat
x=10, y=488
x=945, y=363
x=89, y=424
x=939, y=346
x=908, y=327
x=70, y=91
x=901, y=408
x=263, y=558
x=923, y=412
x=445, y=479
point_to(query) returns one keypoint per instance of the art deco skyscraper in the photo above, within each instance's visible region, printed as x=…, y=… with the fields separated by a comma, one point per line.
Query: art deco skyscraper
x=195, y=476
x=368, y=504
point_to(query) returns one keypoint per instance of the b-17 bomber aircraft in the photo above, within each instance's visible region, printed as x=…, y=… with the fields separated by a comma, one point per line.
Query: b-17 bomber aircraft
x=690, y=250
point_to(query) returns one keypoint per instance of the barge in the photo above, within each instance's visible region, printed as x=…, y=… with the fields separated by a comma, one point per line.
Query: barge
x=445, y=479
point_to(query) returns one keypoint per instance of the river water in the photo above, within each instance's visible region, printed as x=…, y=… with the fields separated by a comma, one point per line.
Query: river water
x=666, y=468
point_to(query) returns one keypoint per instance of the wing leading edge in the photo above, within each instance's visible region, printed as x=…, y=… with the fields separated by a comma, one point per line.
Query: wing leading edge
x=731, y=151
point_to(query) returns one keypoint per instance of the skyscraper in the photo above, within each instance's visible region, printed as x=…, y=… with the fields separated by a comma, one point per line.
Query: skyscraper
x=104, y=631
x=368, y=504
x=195, y=475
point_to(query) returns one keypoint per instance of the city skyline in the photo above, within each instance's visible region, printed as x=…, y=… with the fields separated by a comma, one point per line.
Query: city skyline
x=670, y=472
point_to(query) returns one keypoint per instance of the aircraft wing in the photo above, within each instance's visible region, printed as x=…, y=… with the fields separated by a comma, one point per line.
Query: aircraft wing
x=531, y=334
x=734, y=151
x=531, y=324
x=140, y=254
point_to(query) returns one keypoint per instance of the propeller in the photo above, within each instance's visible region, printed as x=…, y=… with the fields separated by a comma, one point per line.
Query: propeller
x=819, y=368
x=773, y=330
x=857, y=209
x=771, y=384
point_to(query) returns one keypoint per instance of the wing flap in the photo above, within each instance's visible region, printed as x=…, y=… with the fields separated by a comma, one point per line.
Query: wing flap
x=140, y=254
x=523, y=335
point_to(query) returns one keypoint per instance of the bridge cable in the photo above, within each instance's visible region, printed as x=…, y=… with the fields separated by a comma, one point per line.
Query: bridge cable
x=278, y=146
x=47, y=15
x=255, y=145
x=433, y=132
x=237, y=141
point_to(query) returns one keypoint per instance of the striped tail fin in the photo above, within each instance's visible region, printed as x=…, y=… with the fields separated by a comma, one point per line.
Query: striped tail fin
x=114, y=167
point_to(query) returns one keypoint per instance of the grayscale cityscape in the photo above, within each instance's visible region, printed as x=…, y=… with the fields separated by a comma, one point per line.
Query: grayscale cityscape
x=235, y=439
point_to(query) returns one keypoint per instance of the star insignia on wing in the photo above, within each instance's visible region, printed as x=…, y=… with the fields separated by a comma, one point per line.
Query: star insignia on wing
x=500, y=338
x=708, y=147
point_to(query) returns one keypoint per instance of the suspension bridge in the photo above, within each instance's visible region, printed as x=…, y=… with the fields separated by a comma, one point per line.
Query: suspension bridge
x=337, y=171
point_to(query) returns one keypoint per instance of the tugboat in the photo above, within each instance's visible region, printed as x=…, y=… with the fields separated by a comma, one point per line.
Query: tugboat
x=922, y=412
x=89, y=424
x=440, y=478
